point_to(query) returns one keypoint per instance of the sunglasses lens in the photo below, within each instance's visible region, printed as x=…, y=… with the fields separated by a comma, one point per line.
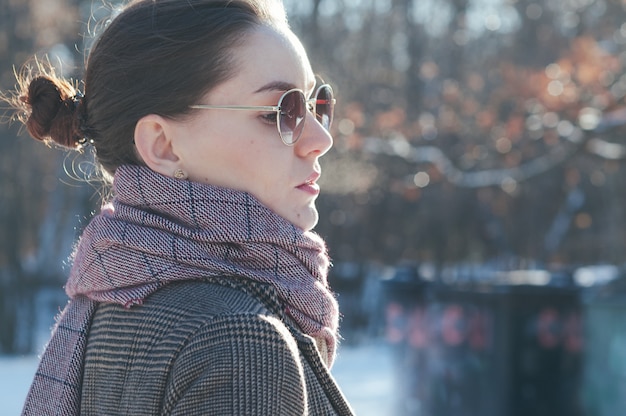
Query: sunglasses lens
x=292, y=114
x=324, y=106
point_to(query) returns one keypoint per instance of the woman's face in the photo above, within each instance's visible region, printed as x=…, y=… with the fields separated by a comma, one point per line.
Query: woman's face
x=242, y=149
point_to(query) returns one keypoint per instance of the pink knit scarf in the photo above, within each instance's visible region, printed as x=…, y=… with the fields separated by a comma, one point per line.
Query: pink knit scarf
x=159, y=230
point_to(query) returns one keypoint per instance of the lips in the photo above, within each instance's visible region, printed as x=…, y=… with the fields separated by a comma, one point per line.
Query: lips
x=310, y=186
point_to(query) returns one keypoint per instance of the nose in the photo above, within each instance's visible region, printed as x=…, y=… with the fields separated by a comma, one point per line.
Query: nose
x=315, y=138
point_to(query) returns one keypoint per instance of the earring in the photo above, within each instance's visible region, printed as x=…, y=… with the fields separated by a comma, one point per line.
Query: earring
x=180, y=174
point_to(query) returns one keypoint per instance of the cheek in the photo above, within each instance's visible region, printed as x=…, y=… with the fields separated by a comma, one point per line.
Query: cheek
x=256, y=169
x=242, y=155
x=269, y=177
x=223, y=150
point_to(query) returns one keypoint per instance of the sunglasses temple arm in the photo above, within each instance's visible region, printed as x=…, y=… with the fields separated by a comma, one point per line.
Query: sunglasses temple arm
x=320, y=101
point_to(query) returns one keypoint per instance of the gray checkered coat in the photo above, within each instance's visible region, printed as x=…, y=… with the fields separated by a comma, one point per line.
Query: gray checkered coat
x=205, y=348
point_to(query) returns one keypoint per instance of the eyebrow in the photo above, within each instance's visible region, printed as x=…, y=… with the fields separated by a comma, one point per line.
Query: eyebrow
x=276, y=86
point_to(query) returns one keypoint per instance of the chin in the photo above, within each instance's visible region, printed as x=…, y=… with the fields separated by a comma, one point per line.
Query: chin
x=307, y=219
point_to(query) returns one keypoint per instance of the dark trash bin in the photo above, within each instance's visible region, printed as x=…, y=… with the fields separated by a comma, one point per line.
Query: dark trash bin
x=485, y=347
x=604, y=375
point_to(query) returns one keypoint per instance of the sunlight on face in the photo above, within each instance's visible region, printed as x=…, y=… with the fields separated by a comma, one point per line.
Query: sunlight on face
x=242, y=149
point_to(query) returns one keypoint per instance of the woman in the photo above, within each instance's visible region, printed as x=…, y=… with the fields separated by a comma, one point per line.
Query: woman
x=199, y=289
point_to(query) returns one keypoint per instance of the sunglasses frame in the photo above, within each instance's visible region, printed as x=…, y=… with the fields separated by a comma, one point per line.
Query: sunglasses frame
x=310, y=104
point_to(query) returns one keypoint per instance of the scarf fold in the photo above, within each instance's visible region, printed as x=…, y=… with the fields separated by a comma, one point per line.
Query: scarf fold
x=159, y=230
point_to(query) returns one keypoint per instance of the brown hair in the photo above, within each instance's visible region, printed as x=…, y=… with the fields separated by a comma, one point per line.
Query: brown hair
x=155, y=57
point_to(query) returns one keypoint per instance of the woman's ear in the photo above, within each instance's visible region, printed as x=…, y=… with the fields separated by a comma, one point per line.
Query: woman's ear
x=154, y=144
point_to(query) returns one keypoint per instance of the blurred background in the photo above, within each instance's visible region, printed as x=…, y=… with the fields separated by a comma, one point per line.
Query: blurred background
x=473, y=203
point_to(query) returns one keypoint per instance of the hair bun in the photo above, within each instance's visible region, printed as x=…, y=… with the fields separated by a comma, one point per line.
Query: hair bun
x=53, y=106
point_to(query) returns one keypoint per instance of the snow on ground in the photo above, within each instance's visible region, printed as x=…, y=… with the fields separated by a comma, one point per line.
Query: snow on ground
x=363, y=372
x=16, y=374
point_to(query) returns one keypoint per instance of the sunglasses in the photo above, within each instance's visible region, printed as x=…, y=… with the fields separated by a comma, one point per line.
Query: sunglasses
x=291, y=111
